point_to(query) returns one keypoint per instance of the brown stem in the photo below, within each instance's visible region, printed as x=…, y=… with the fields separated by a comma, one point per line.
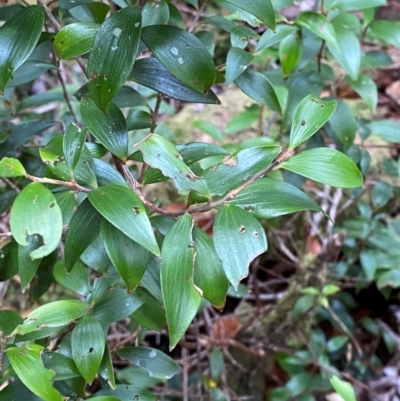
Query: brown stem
x=154, y=114
x=45, y=180
x=319, y=56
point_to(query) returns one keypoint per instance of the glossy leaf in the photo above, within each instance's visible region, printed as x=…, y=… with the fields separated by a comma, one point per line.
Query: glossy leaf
x=258, y=87
x=231, y=175
x=107, y=174
x=83, y=229
x=386, y=129
x=366, y=88
x=125, y=393
x=76, y=280
x=151, y=73
x=239, y=238
x=181, y=297
x=75, y=39
x=182, y=54
x=106, y=370
x=325, y=165
x=64, y=366
x=28, y=365
x=73, y=144
x=344, y=123
x=36, y=217
x=270, y=38
x=114, y=51
x=237, y=61
x=387, y=31
x=129, y=258
x=158, y=364
x=18, y=37
x=312, y=113
x=353, y=5
x=162, y=154
x=122, y=208
x=10, y=167
x=194, y=151
x=109, y=129
x=290, y=51
x=348, y=51
x=267, y=198
x=53, y=314
x=155, y=12
x=319, y=25
x=88, y=344
x=209, y=273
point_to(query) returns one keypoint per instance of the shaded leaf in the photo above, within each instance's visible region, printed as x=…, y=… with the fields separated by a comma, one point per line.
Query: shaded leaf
x=325, y=165
x=126, y=393
x=158, y=364
x=194, y=151
x=388, y=31
x=66, y=202
x=18, y=37
x=114, y=51
x=26, y=266
x=181, y=297
x=28, y=365
x=9, y=320
x=353, y=5
x=270, y=38
x=239, y=238
x=366, y=88
x=36, y=217
x=122, y=208
x=182, y=54
x=386, y=129
x=106, y=370
x=63, y=366
x=155, y=12
x=76, y=280
x=237, y=61
x=344, y=123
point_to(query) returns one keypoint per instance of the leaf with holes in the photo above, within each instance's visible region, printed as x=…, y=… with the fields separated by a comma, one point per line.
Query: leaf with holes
x=239, y=238
x=88, y=345
x=312, y=113
x=181, y=297
x=115, y=46
x=36, y=217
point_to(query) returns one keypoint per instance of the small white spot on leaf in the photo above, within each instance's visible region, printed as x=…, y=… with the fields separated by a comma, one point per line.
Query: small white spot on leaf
x=174, y=51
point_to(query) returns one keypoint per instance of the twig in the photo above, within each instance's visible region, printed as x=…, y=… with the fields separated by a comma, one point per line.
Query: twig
x=319, y=56
x=154, y=113
x=45, y=180
x=11, y=184
x=197, y=16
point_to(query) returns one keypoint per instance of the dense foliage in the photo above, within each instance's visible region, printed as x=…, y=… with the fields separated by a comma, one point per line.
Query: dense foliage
x=77, y=161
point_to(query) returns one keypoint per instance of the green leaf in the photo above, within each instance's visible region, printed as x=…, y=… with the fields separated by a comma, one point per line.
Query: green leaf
x=83, y=229
x=66, y=202
x=109, y=129
x=162, y=154
x=249, y=162
x=298, y=383
x=181, y=297
x=114, y=51
x=238, y=239
x=390, y=278
x=270, y=38
x=36, y=217
x=151, y=73
x=262, y=9
x=208, y=269
x=182, y=54
x=258, y=87
x=8, y=260
x=92, y=12
x=325, y=165
x=194, y=151
x=116, y=304
x=344, y=123
x=75, y=39
x=107, y=175
x=158, y=364
x=348, y=50
x=267, y=198
x=76, y=280
x=243, y=120
x=155, y=12
x=209, y=128
x=388, y=31
x=151, y=313
x=319, y=25
x=64, y=366
x=18, y=37
x=355, y=5
x=9, y=320
x=73, y=144
x=336, y=343
x=88, y=344
x=312, y=113
x=344, y=389
x=53, y=314
x=290, y=51
x=366, y=88
x=381, y=193
x=11, y=167
x=122, y=208
x=237, y=61
x=106, y=370
x=386, y=129
x=124, y=393
x=26, y=266
x=129, y=258
x=28, y=365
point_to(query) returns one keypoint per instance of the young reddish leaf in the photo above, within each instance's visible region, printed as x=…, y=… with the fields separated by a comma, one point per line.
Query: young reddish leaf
x=36, y=218
x=114, y=51
x=28, y=365
x=181, y=297
x=88, y=345
x=239, y=238
x=182, y=54
x=122, y=208
x=18, y=37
